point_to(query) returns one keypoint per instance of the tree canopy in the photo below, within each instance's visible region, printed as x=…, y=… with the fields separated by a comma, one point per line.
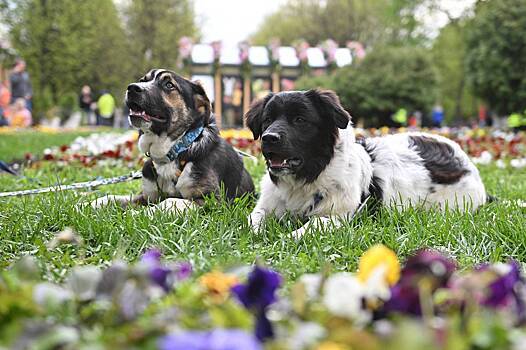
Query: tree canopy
x=70, y=43
x=496, y=54
x=448, y=54
x=389, y=78
x=155, y=28
x=367, y=21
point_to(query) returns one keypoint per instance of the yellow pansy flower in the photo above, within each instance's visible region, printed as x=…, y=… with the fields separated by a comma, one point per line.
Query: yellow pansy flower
x=330, y=345
x=379, y=256
x=218, y=284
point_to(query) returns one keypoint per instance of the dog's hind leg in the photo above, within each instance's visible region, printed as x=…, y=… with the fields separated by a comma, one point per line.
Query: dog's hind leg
x=122, y=200
x=178, y=204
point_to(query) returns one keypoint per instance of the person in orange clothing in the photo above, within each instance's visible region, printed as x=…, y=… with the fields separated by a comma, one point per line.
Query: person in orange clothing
x=18, y=115
x=5, y=97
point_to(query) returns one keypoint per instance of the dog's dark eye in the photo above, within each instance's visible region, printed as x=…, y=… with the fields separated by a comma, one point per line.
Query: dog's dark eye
x=299, y=120
x=169, y=86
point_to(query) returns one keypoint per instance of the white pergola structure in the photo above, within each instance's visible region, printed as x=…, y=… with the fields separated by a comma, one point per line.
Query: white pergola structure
x=221, y=72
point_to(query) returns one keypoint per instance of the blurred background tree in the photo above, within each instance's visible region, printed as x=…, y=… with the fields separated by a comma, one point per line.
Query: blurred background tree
x=67, y=44
x=389, y=78
x=367, y=21
x=154, y=29
x=448, y=54
x=496, y=54
x=70, y=43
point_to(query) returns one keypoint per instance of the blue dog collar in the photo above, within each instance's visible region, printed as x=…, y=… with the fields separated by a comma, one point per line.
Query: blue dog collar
x=181, y=145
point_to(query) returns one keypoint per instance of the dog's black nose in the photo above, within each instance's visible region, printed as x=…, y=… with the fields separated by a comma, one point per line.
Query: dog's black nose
x=135, y=88
x=270, y=137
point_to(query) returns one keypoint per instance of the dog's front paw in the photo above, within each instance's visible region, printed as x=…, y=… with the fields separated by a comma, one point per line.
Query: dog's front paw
x=177, y=204
x=255, y=221
x=297, y=234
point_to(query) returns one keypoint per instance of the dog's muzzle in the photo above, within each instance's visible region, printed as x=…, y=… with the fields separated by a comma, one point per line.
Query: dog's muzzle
x=277, y=160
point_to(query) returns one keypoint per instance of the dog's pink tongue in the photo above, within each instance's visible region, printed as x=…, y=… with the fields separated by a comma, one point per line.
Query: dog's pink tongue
x=146, y=117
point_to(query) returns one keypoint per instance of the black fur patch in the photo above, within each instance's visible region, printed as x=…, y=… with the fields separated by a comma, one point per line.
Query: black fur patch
x=148, y=171
x=375, y=190
x=439, y=159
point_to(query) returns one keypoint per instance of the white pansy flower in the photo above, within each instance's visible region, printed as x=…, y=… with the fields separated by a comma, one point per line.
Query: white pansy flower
x=343, y=295
x=47, y=294
x=305, y=335
x=376, y=286
x=83, y=281
x=311, y=282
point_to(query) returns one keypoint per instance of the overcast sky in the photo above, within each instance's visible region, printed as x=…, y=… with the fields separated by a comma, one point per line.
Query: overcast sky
x=234, y=20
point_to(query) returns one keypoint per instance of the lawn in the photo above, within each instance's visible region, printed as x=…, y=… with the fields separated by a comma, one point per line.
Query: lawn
x=17, y=145
x=218, y=235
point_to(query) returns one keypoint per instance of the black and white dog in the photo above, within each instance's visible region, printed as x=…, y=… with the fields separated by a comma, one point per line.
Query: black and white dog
x=317, y=169
x=188, y=158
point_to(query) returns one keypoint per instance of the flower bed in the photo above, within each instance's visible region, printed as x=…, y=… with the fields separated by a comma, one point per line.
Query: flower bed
x=426, y=303
x=485, y=146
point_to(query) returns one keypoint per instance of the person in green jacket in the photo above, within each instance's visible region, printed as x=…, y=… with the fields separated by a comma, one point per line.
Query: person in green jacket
x=400, y=117
x=105, y=109
x=517, y=121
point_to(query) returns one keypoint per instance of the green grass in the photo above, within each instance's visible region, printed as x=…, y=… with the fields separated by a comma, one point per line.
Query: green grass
x=218, y=234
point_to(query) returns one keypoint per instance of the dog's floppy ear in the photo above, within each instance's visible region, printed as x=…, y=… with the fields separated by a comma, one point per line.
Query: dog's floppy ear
x=254, y=115
x=201, y=101
x=328, y=103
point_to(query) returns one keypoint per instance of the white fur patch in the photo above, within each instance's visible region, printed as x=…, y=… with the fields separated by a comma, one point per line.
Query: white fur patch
x=185, y=183
x=104, y=201
x=157, y=146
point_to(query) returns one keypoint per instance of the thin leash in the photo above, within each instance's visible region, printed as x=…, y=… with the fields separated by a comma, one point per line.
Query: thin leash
x=76, y=186
x=89, y=184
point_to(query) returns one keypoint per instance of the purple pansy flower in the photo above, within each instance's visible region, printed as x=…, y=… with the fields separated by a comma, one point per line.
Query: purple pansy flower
x=430, y=263
x=263, y=328
x=426, y=264
x=259, y=291
x=218, y=339
x=151, y=256
x=257, y=294
x=157, y=273
x=503, y=287
x=160, y=276
x=507, y=289
x=183, y=270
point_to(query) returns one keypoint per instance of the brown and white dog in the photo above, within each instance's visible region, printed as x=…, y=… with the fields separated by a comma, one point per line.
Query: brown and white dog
x=188, y=158
x=319, y=172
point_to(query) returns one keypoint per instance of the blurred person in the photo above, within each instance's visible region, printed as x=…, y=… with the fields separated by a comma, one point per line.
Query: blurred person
x=105, y=109
x=21, y=84
x=5, y=98
x=437, y=116
x=517, y=121
x=18, y=115
x=400, y=117
x=86, y=104
x=483, y=114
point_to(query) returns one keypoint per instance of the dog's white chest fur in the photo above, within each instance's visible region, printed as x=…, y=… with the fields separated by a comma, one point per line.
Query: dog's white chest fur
x=337, y=189
x=168, y=182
